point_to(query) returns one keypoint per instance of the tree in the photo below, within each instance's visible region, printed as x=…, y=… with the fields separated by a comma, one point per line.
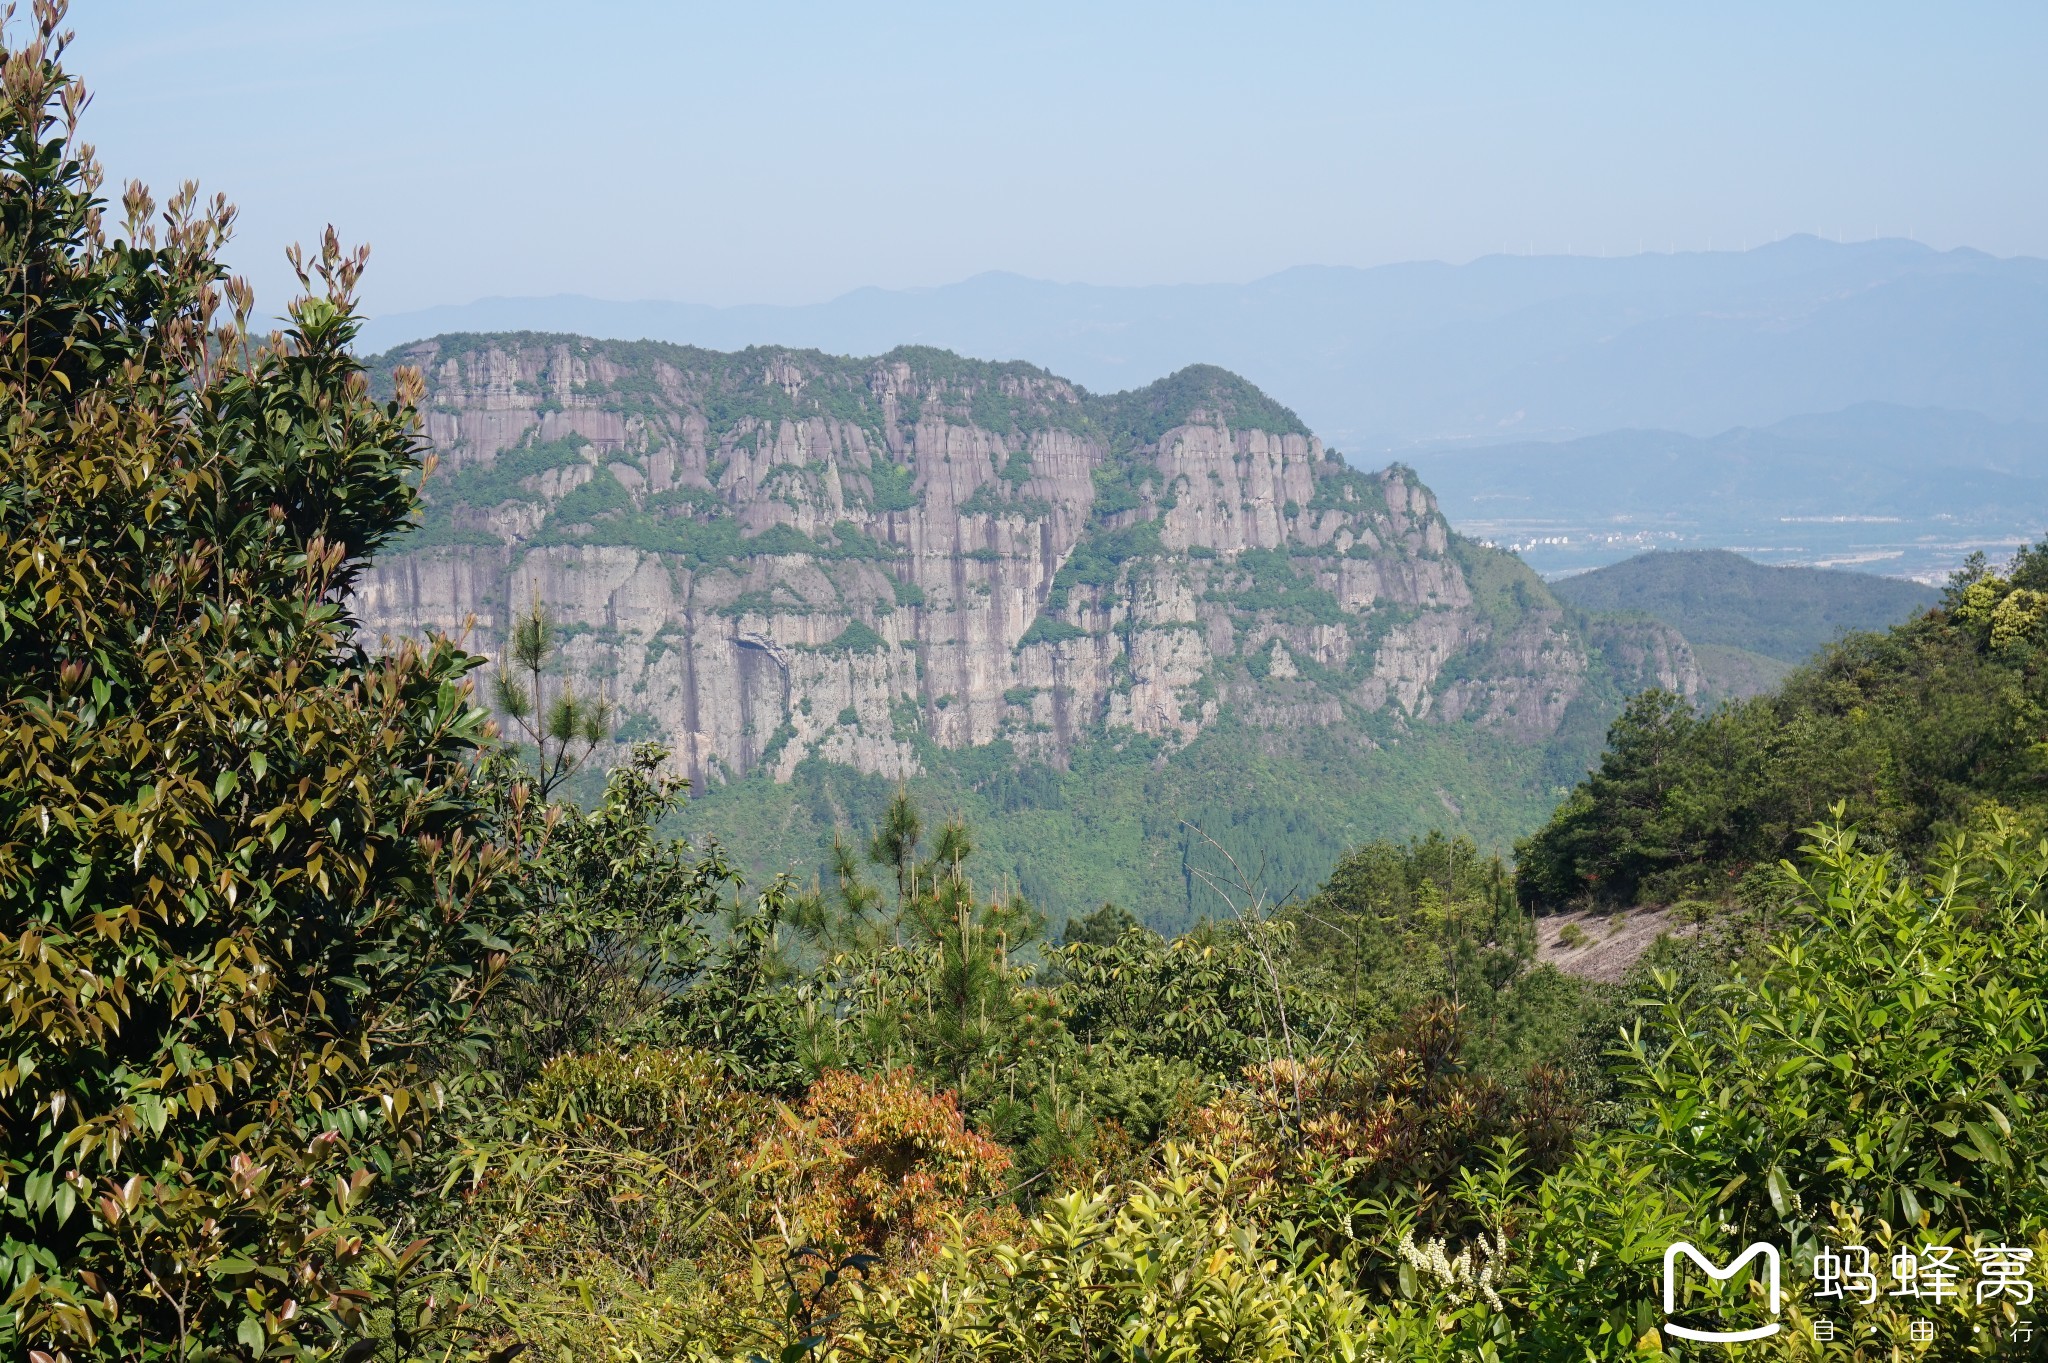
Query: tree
x=247, y=883
x=613, y=922
x=951, y=949
x=895, y=845
x=1397, y=924
x=1105, y=927
x=557, y=726
x=1623, y=823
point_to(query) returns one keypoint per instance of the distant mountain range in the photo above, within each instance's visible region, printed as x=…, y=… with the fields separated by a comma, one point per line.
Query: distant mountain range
x=1504, y=348
x=1904, y=491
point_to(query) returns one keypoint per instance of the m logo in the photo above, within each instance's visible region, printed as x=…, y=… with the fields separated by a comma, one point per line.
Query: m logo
x=1719, y=1275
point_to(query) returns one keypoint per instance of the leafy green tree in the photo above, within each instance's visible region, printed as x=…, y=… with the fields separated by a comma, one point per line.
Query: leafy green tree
x=609, y=1180
x=1200, y=998
x=614, y=923
x=1624, y=822
x=1869, y=1077
x=1882, y=1057
x=626, y=937
x=1396, y=924
x=248, y=889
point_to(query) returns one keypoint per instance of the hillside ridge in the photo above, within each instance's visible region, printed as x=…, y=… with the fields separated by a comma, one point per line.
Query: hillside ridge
x=1717, y=596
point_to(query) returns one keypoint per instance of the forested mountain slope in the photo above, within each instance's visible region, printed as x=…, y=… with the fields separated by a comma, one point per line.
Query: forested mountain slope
x=1748, y=623
x=1713, y=596
x=1110, y=616
x=1935, y=725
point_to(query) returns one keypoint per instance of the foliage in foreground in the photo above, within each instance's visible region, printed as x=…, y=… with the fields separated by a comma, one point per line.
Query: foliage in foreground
x=1863, y=1076
x=247, y=887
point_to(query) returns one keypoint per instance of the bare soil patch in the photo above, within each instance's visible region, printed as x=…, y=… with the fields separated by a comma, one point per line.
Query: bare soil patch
x=1606, y=944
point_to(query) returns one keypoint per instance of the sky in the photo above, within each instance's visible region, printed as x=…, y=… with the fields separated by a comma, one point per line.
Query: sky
x=786, y=153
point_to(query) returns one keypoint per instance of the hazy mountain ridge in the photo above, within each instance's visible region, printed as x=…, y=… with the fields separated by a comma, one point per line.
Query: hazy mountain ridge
x=1505, y=347
x=1715, y=597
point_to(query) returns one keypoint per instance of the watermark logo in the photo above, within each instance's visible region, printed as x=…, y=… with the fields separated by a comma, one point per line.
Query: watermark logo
x=1855, y=1275
x=1768, y=1253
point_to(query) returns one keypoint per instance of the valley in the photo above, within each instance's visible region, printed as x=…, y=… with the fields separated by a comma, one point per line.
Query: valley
x=1878, y=488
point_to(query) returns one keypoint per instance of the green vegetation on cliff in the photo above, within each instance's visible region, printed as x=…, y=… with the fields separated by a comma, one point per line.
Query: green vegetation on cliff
x=727, y=390
x=1142, y=415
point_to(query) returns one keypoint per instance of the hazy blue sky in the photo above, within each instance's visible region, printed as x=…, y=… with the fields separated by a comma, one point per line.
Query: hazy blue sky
x=787, y=152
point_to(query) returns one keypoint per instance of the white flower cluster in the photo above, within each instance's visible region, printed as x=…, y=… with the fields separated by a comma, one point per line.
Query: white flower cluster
x=1469, y=1275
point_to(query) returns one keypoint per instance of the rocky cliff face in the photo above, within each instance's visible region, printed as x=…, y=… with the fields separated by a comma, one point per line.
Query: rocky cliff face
x=772, y=555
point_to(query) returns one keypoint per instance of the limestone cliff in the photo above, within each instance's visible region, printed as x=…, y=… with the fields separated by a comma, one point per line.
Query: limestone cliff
x=771, y=555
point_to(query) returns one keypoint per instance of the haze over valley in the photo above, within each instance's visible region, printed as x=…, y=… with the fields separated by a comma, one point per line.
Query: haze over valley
x=1580, y=408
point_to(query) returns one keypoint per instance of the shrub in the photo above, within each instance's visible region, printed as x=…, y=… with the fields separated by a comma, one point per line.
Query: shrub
x=1046, y=630
x=1398, y=1127
x=601, y=1208
x=875, y=1162
x=780, y=539
x=894, y=486
x=1170, y=1267
x=1882, y=1057
x=857, y=637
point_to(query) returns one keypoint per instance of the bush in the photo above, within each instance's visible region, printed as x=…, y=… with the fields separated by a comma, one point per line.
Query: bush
x=1046, y=630
x=893, y=486
x=874, y=1162
x=1881, y=1058
x=1171, y=1267
x=603, y=1207
x=857, y=637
